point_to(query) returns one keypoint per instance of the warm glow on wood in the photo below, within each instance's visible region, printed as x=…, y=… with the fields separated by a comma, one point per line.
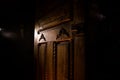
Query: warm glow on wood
x=36, y=34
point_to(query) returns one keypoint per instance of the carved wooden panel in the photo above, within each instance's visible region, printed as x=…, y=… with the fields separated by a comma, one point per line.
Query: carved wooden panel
x=62, y=60
x=42, y=47
x=60, y=32
x=60, y=51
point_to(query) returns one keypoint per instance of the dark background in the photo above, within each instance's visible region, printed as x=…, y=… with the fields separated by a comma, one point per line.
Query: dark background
x=102, y=39
x=16, y=53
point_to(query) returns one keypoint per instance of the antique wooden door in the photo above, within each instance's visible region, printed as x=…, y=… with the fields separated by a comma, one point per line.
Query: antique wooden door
x=59, y=54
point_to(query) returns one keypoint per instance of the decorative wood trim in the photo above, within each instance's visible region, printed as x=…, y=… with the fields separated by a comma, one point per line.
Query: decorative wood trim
x=62, y=32
x=72, y=60
x=63, y=40
x=54, y=61
x=53, y=24
x=42, y=37
x=58, y=16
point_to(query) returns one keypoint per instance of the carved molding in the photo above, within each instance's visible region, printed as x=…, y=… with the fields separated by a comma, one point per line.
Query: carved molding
x=42, y=37
x=62, y=32
x=60, y=15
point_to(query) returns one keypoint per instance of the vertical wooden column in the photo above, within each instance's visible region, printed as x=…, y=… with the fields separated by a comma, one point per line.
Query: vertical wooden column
x=79, y=57
x=42, y=51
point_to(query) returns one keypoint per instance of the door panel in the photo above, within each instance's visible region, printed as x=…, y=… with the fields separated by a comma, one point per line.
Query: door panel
x=62, y=60
x=45, y=61
x=42, y=60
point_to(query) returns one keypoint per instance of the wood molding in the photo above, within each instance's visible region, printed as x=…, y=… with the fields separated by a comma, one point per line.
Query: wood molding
x=58, y=16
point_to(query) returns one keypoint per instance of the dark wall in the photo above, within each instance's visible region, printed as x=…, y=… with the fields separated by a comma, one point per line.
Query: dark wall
x=17, y=55
x=102, y=40
x=16, y=60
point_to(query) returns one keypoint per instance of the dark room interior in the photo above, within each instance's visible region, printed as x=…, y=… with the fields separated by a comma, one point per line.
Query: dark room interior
x=59, y=40
x=16, y=39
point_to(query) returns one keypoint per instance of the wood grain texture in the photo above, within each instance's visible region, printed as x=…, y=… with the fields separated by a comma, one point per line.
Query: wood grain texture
x=62, y=60
x=79, y=58
x=42, y=60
